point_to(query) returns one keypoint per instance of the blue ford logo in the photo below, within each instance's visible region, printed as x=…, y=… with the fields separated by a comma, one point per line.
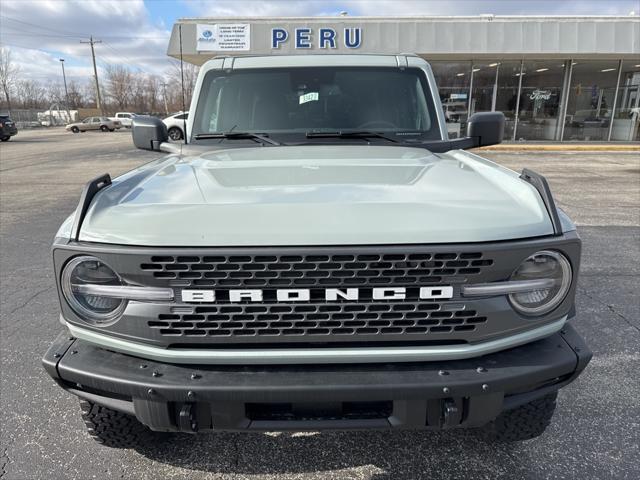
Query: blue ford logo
x=207, y=33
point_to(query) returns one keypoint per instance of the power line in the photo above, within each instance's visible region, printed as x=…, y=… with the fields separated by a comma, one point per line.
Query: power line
x=127, y=61
x=66, y=33
x=2, y=42
x=40, y=26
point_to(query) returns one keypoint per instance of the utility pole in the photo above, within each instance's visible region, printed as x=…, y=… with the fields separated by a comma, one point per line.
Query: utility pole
x=66, y=92
x=164, y=95
x=95, y=72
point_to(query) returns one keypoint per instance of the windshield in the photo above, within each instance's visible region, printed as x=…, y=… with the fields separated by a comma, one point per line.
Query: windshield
x=303, y=100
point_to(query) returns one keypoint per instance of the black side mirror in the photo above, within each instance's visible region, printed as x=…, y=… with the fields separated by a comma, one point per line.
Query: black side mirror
x=148, y=132
x=486, y=128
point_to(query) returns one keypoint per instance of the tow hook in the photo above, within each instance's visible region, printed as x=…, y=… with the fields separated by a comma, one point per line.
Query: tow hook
x=186, y=419
x=451, y=414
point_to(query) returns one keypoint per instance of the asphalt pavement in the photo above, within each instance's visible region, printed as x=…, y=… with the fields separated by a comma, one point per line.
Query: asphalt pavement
x=595, y=433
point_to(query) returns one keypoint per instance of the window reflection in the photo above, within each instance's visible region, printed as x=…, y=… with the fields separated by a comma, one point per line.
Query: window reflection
x=540, y=100
x=590, y=105
x=626, y=118
x=453, y=79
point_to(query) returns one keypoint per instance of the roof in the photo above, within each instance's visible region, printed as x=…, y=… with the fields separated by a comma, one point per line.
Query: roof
x=485, y=36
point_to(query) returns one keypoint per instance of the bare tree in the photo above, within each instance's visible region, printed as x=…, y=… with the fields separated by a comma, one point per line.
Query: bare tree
x=8, y=74
x=175, y=83
x=153, y=89
x=119, y=83
x=30, y=94
x=76, y=99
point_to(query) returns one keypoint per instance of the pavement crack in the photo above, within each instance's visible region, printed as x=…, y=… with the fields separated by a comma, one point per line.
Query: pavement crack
x=236, y=453
x=4, y=461
x=31, y=298
x=611, y=308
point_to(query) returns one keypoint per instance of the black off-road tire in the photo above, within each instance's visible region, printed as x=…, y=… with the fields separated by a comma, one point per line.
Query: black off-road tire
x=522, y=423
x=175, y=134
x=114, y=429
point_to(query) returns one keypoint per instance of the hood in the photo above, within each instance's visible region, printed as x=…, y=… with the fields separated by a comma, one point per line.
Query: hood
x=316, y=195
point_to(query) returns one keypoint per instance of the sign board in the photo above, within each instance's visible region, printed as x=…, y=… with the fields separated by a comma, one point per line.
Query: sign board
x=223, y=37
x=307, y=38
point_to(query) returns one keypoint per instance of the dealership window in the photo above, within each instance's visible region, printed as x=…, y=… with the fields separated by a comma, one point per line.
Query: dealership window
x=626, y=118
x=540, y=99
x=483, y=89
x=591, y=97
x=506, y=96
x=453, y=79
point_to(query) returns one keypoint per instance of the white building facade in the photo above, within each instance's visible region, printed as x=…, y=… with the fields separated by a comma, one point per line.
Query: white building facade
x=554, y=78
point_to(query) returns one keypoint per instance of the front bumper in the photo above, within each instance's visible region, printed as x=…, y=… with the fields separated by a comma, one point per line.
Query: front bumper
x=8, y=131
x=459, y=393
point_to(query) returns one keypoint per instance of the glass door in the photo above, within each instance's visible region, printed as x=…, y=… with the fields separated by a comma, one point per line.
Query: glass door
x=626, y=117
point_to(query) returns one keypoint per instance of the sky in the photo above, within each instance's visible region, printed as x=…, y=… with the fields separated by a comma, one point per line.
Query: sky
x=135, y=33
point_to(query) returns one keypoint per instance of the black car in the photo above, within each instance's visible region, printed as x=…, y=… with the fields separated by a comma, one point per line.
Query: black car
x=7, y=128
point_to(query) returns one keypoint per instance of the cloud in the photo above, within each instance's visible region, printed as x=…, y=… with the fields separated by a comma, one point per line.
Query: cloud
x=44, y=66
x=258, y=8
x=127, y=34
x=136, y=34
x=291, y=8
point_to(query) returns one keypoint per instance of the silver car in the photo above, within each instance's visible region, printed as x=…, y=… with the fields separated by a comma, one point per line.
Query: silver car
x=103, y=124
x=319, y=254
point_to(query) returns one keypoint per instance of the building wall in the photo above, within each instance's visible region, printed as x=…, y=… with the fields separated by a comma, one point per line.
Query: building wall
x=555, y=78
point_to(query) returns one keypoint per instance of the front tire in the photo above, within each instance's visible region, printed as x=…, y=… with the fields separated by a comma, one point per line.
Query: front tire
x=175, y=134
x=75, y=129
x=112, y=428
x=522, y=423
x=5, y=139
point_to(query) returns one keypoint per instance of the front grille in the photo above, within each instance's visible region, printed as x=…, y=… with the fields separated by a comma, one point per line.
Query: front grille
x=361, y=321
x=317, y=270
x=319, y=319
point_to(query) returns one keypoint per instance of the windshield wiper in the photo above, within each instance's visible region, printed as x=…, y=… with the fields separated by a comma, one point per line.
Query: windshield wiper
x=259, y=137
x=350, y=134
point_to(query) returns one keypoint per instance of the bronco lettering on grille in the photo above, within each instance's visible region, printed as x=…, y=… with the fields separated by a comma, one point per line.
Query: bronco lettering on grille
x=305, y=294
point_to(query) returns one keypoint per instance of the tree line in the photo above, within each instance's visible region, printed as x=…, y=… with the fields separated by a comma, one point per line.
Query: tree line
x=121, y=89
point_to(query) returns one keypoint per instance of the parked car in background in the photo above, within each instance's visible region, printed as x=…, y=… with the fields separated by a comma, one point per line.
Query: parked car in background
x=175, y=125
x=95, y=123
x=7, y=128
x=124, y=118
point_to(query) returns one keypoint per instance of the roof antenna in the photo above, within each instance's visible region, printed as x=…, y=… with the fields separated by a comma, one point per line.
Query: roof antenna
x=184, y=118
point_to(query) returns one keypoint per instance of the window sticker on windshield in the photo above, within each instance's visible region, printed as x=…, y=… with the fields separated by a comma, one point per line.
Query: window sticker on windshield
x=309, y=97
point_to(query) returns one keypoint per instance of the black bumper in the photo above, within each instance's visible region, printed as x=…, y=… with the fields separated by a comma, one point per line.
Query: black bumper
x=461, y=393
x=8, y=131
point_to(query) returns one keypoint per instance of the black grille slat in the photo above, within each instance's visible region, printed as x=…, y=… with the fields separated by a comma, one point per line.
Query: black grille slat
x=317, y=270
x=353, y=318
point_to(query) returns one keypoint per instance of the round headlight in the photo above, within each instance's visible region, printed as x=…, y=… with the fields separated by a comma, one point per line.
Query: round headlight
x=545, y=264
x=84, y=271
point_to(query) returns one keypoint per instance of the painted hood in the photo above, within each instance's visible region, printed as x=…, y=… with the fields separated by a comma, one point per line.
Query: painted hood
x=316, y=195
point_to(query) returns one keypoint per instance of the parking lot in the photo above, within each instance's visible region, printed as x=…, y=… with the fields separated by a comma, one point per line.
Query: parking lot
x=595, y=433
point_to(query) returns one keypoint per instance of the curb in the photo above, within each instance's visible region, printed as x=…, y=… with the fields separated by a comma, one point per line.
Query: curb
x=561, y=148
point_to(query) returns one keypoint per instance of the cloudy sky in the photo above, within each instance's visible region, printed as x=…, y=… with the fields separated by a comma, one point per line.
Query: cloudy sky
x=135, y=32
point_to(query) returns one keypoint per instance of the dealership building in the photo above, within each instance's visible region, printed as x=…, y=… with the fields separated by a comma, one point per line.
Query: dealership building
x=554, y=78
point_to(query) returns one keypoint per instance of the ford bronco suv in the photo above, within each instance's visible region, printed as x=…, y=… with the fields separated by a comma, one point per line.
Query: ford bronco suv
x=318, y=254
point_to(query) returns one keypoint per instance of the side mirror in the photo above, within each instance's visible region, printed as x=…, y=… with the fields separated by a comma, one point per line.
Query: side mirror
x=148, y=132
x=486, y=128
